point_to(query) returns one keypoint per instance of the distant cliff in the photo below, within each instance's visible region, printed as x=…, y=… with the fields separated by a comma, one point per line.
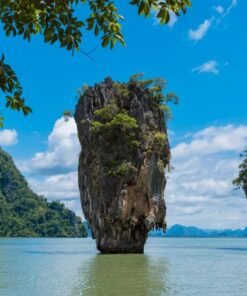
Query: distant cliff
x=124, y=152
x=25, y=214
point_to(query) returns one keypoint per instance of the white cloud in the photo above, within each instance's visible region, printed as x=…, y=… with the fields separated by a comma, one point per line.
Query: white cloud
x=8, y=137
x=203, y=28
x=53, y=173
x=224, y=12
x=200, y=191
x=62, y=153
x=208, y=67
x=201, y=31
x=233, y=4
x=62, y=186
x=213, y=140
x=219, y=9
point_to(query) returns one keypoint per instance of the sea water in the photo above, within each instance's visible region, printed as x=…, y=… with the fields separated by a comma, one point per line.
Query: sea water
x=170, y=266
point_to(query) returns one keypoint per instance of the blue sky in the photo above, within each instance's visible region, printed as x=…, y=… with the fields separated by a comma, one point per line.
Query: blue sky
x=203, y=57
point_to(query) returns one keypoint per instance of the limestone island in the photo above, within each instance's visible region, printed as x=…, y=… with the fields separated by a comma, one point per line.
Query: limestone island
x=124, y=154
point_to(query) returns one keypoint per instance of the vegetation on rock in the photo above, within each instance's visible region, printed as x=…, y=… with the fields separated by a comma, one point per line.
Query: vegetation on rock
x=26, y=214
x=241, y=180
x=59, y=22
x=114, y=126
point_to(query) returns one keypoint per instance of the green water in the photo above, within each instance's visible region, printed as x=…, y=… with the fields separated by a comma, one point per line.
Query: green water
x=186, y=267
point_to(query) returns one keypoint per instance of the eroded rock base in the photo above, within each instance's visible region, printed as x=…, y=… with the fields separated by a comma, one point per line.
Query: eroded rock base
x=126, y=241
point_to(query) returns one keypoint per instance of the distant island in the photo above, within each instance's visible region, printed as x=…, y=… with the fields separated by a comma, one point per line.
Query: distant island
x=26, y=214
x=191, y=231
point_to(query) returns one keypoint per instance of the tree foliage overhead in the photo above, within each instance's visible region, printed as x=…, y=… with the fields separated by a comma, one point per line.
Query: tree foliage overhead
x=241, y=181
x=12, y=89
x=24, y=213
x=58, y=22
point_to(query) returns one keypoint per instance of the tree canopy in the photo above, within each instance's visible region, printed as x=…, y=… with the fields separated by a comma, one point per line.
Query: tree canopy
x=58, y=22
x=241, y=180
x=24, y=213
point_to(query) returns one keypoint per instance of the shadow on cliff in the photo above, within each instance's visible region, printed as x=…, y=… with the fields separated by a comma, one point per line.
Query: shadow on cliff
x=123, y=275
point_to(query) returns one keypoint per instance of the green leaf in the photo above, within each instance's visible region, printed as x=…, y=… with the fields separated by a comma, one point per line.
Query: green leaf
x=105, y=41
x=48, y=34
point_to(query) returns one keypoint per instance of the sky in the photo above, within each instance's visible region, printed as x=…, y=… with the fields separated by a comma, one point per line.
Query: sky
x=202, y=55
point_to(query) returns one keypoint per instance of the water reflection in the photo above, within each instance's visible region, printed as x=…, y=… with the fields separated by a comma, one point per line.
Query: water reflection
x=117, y=275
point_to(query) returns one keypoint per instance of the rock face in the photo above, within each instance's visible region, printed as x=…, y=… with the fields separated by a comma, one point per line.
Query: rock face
x=124, y=151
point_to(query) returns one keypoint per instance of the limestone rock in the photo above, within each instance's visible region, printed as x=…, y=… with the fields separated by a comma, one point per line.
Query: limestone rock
x=124, y=151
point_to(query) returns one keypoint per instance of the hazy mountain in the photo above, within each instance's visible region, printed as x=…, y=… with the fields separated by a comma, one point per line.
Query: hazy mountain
x=191, y=231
